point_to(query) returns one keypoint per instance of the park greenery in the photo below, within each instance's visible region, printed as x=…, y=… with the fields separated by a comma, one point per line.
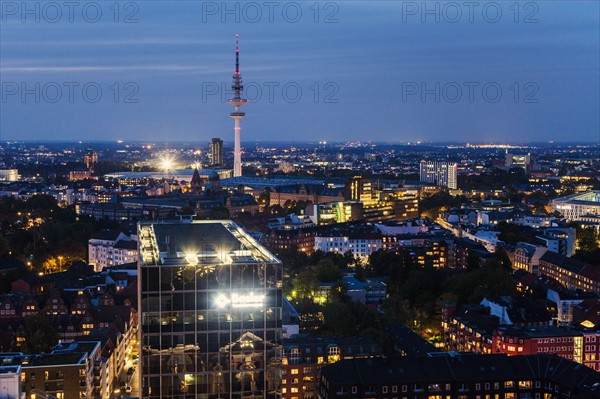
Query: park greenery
x=415, y=293
x=38, y=333
x=43, y=235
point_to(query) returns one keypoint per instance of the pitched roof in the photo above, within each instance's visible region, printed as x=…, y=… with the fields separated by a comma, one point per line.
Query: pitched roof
x=572, y=265
x=107, y=235
x=464, y=367
x=10, y=262
x=196, y=180
x=122, y=244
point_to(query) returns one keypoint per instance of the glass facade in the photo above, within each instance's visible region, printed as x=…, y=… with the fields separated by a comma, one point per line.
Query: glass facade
x=211, y=312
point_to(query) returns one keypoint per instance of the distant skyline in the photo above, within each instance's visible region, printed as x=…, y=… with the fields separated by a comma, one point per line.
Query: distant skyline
x=361, y=68
x=250, y=143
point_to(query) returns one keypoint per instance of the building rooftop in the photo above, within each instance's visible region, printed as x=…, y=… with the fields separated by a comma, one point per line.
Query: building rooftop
x=66, y=353
x=57, y=359
x=477, y=317
x=353, y=284
x=572, y=265
x=538, y=331
x=304, y=340
x=192, y=242
x=80, y=346
x=178, y=174
x=444, y=368
x=107, y=235
x=409, y=342
x=10, y=369
x=587, y=198
x=47, y=359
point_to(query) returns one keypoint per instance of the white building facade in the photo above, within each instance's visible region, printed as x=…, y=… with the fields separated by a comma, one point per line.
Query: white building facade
x=105, y=251
x=10, y=382
x=361, y=248
x=574, y=207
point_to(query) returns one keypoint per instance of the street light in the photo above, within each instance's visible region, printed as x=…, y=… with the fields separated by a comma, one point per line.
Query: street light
x=60, y=258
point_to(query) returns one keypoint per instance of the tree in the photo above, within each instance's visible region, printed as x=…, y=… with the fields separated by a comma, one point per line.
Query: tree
x=540, y=209
x=503, y=260
x=432, y=205
x=187, y=210
x=338, y=292
x=310, y=321
x=473, y=261
x=219, y=213
x=327, y=270
x=39, y=334
x=491, y=279
x=276, y=210
x=339, y=319
x=293, y=259
x=305, y=284
x=591, y=257
x=359, y=272
x=395, y=266
x=587, y=239
x=264, y=199
x=512, y=233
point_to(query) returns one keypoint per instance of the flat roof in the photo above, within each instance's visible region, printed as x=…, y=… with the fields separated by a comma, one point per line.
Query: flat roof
x=539, y=331
x=587, y=198
x=47, y=359
x=193, y=242
x=57, y=359
x=10, y=369
x=178, y=173
x=77, y=346
x=464, y=368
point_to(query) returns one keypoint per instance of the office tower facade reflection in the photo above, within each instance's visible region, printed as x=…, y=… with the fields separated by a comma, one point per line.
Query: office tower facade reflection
x=210, y=312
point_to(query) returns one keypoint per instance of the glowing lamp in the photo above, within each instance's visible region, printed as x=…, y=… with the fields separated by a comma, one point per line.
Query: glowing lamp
x=249, y=300
x=191, y=259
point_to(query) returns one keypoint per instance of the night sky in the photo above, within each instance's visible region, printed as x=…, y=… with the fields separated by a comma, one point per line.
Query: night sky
x=367, y=70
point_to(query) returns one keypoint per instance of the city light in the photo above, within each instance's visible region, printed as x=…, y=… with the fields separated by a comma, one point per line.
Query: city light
x=325, y=250
x=250, y=300
x=191, y=258
x=166, y=163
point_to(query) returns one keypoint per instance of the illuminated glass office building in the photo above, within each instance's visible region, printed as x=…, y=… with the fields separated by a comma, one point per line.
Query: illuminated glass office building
x=210, y=312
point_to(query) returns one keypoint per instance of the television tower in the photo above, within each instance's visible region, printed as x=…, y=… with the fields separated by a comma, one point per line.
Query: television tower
x=237, y=101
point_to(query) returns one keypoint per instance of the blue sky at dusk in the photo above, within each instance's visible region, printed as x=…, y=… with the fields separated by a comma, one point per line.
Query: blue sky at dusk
x=382, y=71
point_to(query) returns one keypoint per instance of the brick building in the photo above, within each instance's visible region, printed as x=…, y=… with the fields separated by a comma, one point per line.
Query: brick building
x=463, y=376
x=569, y=272
x=303, y=357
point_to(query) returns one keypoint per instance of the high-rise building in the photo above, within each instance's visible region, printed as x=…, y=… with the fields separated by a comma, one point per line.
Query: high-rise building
x=359, y=189
x=440, y=173
x=90, y=158
x=237, y=101
x=210, y=312
x=215, y=153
